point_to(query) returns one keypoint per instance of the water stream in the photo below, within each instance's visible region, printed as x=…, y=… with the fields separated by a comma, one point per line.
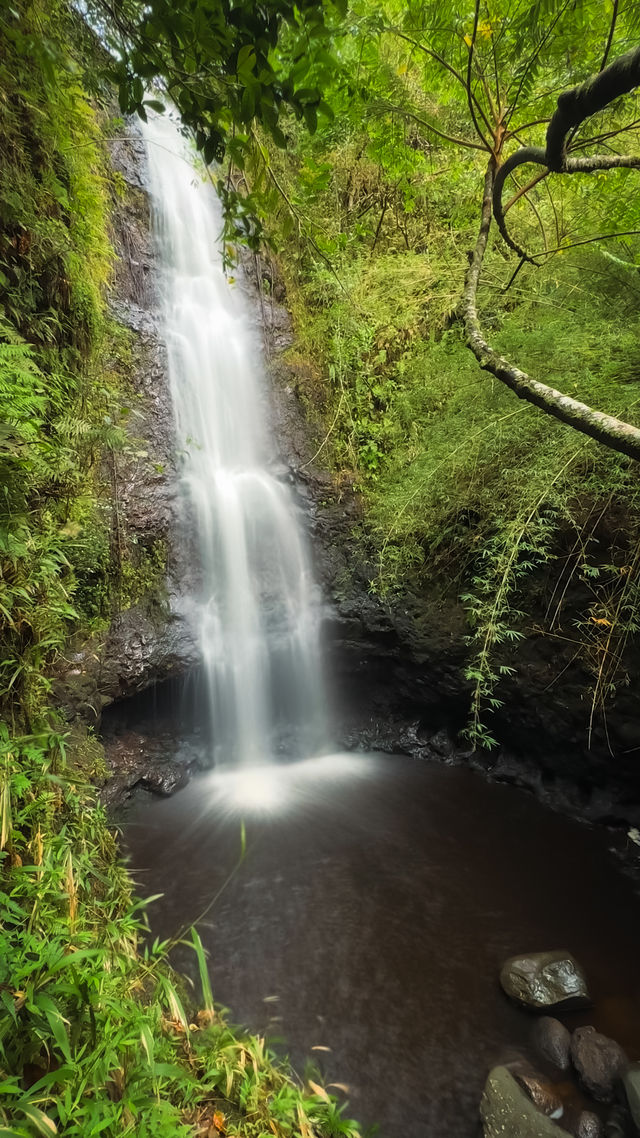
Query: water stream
x=257, y=612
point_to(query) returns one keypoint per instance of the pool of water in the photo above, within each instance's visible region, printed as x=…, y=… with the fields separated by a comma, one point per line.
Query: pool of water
x=365, y=925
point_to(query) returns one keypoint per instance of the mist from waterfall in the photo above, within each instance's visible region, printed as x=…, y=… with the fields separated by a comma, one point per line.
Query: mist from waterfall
x=258, y=610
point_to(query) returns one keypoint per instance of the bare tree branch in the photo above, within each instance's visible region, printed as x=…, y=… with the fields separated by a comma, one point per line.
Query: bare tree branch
x=469, y=84
x=612, y=28
x=439, y=59
x=612, y=432
x=404, y=112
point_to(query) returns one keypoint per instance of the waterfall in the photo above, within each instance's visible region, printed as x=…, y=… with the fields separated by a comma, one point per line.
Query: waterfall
x=257, y=609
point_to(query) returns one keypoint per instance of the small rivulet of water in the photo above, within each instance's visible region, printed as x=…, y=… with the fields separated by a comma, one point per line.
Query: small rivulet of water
x=258, y=613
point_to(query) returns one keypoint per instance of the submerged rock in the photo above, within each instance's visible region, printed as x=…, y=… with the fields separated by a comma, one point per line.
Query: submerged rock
x=618, y=1123
x=589, y=1125
x=553, y=1041
x=507, y=1112
x=599, y=1061
x=545, y=980
x=632, y=1091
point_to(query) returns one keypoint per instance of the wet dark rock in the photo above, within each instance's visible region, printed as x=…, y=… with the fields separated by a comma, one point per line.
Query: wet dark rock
x=618, y=1123
x=552, y=1040
x=508, y=1112
x=545, y=980
x=632, y=1091
x=589, y=1125
x=599, y=1061
x=153, y=638
x=539, y=1089
x=165, y=781
x=442, y=744
x=137, y=760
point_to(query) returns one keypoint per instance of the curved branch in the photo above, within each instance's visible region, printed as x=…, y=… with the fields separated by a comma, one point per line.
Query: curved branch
x=527, y=154
x=613, y=433
x=573, y=108
x=536, y=155
x=587, y=99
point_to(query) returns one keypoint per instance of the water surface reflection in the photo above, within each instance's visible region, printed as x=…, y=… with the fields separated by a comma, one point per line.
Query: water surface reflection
x=375, y=903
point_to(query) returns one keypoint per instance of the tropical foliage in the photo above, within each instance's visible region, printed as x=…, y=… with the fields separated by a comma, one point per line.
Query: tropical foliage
x=373, y=221
x=356, y=147
x=97, y=1034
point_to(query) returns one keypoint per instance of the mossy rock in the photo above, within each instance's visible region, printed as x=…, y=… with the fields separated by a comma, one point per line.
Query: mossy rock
x=507, y=1112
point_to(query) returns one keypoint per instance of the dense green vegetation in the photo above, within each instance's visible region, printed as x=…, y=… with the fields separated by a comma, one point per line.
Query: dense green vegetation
x=467, y=491
x=356, y=145
x=97, y=1035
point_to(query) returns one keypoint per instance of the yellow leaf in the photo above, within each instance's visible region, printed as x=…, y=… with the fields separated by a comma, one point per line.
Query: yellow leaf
x=319, y=1091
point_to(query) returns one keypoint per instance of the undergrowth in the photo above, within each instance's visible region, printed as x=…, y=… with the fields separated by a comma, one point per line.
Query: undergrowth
x=469, y=495
x=98, y=1036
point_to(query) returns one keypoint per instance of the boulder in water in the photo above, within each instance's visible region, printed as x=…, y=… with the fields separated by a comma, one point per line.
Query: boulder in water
x=632, y=1091
x=589, y=1125
x=507, y=1112
x=599, y=1061
x=545, y=980
x=553, y=1041
x=539, y=1089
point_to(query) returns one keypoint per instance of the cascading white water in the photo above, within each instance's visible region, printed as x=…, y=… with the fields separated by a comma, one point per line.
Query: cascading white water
x=258, y=612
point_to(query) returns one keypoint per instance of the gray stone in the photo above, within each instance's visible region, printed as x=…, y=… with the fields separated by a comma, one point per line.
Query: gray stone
x=545, y=980
x=507, y=1112
x=599, y=1061
x=589, y=1125
x=553, y=1041
x=632, y=1091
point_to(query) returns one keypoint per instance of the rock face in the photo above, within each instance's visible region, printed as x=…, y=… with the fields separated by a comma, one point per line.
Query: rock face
x=137, y=760
x=545, y=980
x=632, y=1091
x=507, y=1112
x=151, y=636
x=599, y=1061
x=553, y=1041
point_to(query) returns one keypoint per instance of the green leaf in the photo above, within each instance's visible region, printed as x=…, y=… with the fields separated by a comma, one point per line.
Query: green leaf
x=207, y=994
x=56, y=1022
x=146, y=1038
x=311, y=118
x=248, y=103
x=42, y=1122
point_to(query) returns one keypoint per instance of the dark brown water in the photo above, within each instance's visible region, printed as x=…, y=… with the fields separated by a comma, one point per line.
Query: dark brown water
x=376, y=902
